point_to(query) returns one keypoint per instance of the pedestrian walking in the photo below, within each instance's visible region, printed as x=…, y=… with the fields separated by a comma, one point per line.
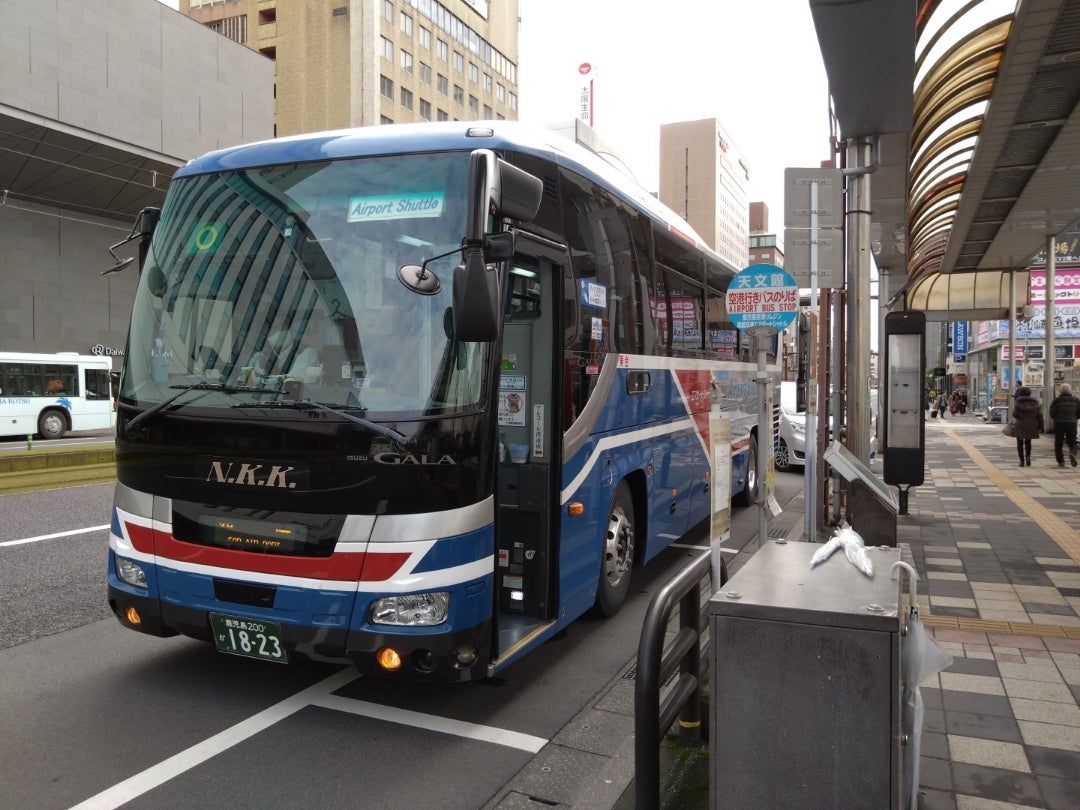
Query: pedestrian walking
x=1064, y=411
x=1027, y=421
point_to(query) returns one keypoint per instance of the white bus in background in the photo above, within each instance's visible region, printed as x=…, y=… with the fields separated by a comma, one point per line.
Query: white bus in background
x=50, y=394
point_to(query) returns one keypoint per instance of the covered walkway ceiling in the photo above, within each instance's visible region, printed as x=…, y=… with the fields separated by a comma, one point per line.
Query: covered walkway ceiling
x=44, y=163
x=990, y=143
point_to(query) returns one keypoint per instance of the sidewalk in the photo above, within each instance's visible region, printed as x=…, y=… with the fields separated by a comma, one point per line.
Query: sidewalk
x=997, y=548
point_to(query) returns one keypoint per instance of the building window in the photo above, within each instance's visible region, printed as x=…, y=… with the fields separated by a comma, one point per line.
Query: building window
x=386, y=87
x=500, y=92
x=459, y=62
x=384, y=119
x=267, y=16
x=459, y=94
x=235, y=28
x=388, y=10
x=443, y=116
x=387, y=48
x=425, y=37
x=406, y=61
x=487, y=82
x=406, y=24
x=425, y=73
x=442, y=49
x=425, y=110
x=443, y=85
x=513, y=101
x=487, y=112
x=474, y=73
x=474, y=106
x=406, y=99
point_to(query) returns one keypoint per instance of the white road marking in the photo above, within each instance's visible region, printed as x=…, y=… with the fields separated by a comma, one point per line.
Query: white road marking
x=319, y=694
x=472, y=731
x=41, y=537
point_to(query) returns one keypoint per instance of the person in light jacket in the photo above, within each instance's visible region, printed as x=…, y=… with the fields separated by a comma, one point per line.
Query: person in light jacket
x=1027, y=423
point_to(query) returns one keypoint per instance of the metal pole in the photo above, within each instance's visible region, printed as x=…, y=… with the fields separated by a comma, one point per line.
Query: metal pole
x=858, y=306
x=1013, y=383
x=810, y=462
x=1049, y=360
x=764, y=433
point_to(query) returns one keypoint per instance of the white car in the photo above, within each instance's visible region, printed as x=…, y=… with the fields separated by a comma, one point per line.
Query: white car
x=790, y=451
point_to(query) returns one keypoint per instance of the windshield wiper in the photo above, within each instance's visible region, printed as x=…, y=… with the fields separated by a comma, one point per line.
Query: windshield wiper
x=129, y=428
x=306, y=404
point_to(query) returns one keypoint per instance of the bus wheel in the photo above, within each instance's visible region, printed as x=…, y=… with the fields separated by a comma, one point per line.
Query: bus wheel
x=618, y=559
x=749, y=493
x=51, y=424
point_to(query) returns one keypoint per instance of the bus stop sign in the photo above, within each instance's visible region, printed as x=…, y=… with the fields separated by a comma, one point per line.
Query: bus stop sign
x=762, y=297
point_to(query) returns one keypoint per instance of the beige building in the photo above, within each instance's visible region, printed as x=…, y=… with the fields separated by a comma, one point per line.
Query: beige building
x=703, y=179
x=349, y=63
x=764, y=246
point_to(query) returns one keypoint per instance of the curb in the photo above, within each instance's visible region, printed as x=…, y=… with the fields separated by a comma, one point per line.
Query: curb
x=29, y=461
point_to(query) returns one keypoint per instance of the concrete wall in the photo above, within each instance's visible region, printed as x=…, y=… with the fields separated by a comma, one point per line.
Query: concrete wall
x=135, y=71
x=131, y=74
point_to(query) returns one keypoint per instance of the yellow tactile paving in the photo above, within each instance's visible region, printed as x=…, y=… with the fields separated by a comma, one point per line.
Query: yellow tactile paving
x=1058, y=530
x=1013, y=628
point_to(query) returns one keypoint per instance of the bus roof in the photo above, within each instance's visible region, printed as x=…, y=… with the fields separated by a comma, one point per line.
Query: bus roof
x=398, y=139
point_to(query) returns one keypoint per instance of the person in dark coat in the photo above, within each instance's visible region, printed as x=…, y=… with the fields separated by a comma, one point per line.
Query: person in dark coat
x=1027, y=423
x=1064, y=411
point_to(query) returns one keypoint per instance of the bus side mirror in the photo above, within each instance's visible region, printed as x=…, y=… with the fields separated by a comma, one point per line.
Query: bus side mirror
x=143, y=230
x=496, y=189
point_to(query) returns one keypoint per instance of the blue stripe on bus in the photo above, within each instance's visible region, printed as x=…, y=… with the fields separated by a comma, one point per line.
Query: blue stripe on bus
x=454, y=551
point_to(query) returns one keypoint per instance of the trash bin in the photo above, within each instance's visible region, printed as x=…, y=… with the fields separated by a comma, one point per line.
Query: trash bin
x=805, y=695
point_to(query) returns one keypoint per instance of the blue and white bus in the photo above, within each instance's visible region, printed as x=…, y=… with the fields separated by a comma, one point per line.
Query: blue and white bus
x=50, y=394
x=414, y=397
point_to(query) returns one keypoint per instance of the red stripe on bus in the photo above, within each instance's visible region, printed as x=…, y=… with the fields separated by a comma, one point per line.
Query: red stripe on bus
x=366, y=567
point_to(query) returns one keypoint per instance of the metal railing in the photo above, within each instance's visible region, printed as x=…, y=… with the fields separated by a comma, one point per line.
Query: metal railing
x=655, y=664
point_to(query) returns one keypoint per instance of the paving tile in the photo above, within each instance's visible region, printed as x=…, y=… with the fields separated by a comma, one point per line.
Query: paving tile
x=976, y=703
x=1050, y=735
x=1045, y=711
x=936, y=799
x=1038, y=690
x=1053, y=762
x=1006, y=640
x=1060, y=794
x=934, y=745
x=977, y=803
x=1046, y=673
x=946, y=575
x=983, y=726
x=965, y=636
x=1063, y=645
x=935, y=773
x=973, y=666
x=1045, y=618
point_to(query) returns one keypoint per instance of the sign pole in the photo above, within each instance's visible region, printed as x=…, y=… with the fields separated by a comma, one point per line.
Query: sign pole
x=761, y=339
x=810, y=462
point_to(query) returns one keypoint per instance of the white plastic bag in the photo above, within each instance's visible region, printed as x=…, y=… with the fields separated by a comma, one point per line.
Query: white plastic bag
x=854, y=549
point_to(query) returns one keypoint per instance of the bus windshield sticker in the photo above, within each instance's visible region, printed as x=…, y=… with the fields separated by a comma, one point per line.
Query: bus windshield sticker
x=206, y=237
x=593, y=294
x=396, y=206
x=538, y=431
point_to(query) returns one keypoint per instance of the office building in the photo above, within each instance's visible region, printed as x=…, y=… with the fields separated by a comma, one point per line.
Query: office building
x=351, y=63
x=764, y=245
x=703, y=178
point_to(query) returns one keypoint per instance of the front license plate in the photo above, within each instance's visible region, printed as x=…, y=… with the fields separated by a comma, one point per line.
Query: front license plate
x=253, y=638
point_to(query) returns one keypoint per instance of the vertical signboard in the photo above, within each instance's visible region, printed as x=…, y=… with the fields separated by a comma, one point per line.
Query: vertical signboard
x=586, y=93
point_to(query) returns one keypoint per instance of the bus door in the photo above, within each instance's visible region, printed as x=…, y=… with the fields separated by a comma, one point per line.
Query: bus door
x=527, y=495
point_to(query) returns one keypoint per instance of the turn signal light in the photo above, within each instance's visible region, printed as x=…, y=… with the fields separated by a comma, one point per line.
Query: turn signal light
x=575, y=508
x=132, y=615
x=388, y=659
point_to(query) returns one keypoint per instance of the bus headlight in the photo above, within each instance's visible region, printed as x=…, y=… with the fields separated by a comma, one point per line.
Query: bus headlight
x=130, y=572
x=412, y=610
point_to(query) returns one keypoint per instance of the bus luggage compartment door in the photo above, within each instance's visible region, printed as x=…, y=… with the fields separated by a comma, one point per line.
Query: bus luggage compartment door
x=524, y=552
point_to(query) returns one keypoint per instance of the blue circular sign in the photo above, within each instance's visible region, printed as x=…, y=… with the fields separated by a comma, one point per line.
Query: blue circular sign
x=762, y=296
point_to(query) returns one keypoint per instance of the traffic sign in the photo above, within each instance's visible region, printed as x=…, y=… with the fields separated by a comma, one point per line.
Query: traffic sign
x=830, y=197
x=762, y=296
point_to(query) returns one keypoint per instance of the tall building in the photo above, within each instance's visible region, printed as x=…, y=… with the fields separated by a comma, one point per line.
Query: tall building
x=764, y=247
x=349, y=63
x=703, y=178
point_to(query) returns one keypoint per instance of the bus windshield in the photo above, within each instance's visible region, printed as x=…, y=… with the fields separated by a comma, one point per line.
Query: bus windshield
x=281, y=281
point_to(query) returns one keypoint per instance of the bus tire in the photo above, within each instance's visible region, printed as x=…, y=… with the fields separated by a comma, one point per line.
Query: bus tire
x=748, y=495
x=617, y=561
x=52, y=424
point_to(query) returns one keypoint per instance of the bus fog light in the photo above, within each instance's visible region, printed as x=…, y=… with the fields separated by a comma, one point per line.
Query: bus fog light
x=388, y=659
x=412, y=610
x=131, y=573
x=465, y=655
x=132, y=615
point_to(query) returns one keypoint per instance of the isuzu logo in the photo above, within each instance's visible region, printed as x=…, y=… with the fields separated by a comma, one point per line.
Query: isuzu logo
x=256, y=474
